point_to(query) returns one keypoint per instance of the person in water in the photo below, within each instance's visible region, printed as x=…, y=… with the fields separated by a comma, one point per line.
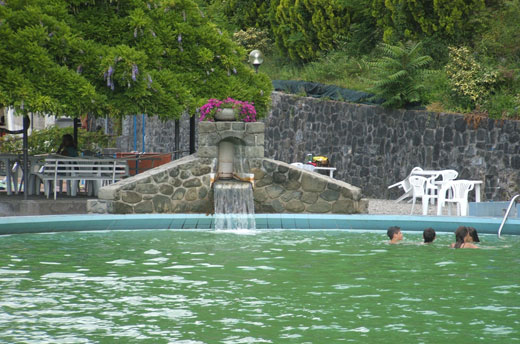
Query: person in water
x=429, y=235
x=473, y=234
x=67, y=146
x=464, y=238
x=395, y=235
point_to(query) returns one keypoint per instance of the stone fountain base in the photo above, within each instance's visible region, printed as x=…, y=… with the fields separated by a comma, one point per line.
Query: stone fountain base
x=183, y=186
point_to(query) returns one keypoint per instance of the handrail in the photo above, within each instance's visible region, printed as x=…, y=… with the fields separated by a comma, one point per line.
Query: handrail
x=507, y=214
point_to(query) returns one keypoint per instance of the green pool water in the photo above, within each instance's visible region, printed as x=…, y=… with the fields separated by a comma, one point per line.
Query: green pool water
x=270, y=287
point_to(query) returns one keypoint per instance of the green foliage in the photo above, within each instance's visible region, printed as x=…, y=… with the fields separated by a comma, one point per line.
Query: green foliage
x=363, y=34
x=247, y=13
x=119, y=57
x=501, y=39
x=305, y=28
x=417, y=19
x=336, y=68
x=399, y=74
x=469, y=78
x=503, y=104
x=253, y=38
x=48, y=140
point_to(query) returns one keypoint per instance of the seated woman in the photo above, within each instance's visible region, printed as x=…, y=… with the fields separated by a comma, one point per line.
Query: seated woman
x=67, y=146
x=464, y=237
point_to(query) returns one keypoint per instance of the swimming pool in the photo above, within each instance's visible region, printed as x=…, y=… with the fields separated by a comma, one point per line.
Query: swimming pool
x=275, y=286
x=59, y=223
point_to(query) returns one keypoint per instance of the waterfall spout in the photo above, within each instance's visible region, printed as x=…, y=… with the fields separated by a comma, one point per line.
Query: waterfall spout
x=234, y=206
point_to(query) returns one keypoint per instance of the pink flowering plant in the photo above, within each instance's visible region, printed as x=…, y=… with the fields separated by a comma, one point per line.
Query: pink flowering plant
x=244, y=111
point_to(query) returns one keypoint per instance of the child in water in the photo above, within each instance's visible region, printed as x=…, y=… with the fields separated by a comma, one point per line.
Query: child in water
x=464, y=237
x=395, y=235
x=429, y=235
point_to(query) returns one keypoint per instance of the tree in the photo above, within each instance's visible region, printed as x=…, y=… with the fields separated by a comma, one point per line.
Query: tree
x=119, y=57
x=399, y=74
x=417, y=19
x=304, y=28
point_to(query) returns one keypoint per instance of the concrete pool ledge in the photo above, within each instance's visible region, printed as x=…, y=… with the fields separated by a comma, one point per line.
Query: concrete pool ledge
x=69, y=223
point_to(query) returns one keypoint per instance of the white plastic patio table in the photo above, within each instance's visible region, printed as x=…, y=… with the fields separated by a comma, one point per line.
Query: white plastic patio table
x=476, y=189
x=427, y=173
x=330, y=169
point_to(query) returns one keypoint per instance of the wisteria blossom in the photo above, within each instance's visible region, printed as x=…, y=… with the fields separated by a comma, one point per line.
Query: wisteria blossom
x=135, y=71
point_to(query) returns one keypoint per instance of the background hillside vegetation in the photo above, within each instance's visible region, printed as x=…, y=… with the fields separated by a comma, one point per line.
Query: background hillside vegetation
x=471, y=47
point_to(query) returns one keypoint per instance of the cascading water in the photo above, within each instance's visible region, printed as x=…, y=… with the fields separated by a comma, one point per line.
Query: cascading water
x=234, y=206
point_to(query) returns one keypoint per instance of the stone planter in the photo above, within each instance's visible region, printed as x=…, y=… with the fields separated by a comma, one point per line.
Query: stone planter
x=226, y=114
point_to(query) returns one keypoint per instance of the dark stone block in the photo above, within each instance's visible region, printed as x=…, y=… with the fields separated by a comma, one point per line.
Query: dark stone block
x=460, y=125
x=429, y=137
x=448, y=135
x=268, y=166
x=201, y=207
x=294, y=174
x=481, y=135
x=160, y=177
x=145, y=207
x=122, y=208
x=203, y=192
x=131, y=197
x=330, y=195
x=277, y=206
x=190, y=183
x=162, y=204
x=166, y=189
x=417, y=138
x=283, y=169
x=515, y=162
x=279, y=178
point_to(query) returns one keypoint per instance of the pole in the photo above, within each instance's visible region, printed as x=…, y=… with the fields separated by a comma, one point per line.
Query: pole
x=26, y=123
x=144, y=125
x=192, y=134
x=135, y=133
x=177, y=138
x=75, y=123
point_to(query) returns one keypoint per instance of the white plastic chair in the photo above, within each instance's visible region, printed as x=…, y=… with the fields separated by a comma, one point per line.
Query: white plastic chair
x=418, y=185
x=446, y=175
x=457, y=191
x=405, y=185
x=449, y=175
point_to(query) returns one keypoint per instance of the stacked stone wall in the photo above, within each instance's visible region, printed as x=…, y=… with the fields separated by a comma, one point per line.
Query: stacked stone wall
x=282, y=188
x=373, y=147
x=184, y=185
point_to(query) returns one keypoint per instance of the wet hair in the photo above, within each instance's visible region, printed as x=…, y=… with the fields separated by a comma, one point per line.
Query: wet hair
x=473, y=233
x=460, y=234
x=392, y=231
x=428, y=235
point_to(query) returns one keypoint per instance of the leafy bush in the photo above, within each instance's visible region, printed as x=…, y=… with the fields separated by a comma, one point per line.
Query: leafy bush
x=305, y=28
x=253, y=38
x=500, y=39
x=503, y=105
x=469, y=78
x=48, y=140
x=417, y=19
x=399, y=74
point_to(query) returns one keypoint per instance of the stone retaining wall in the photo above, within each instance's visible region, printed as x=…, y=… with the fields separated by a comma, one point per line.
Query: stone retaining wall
x=373, y=147
x=282, y=188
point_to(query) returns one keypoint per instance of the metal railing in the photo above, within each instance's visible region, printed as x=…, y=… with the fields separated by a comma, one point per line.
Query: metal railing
x=507, y=214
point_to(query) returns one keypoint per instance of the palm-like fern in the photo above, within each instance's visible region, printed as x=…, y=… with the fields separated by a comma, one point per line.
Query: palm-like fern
x=399, y=74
